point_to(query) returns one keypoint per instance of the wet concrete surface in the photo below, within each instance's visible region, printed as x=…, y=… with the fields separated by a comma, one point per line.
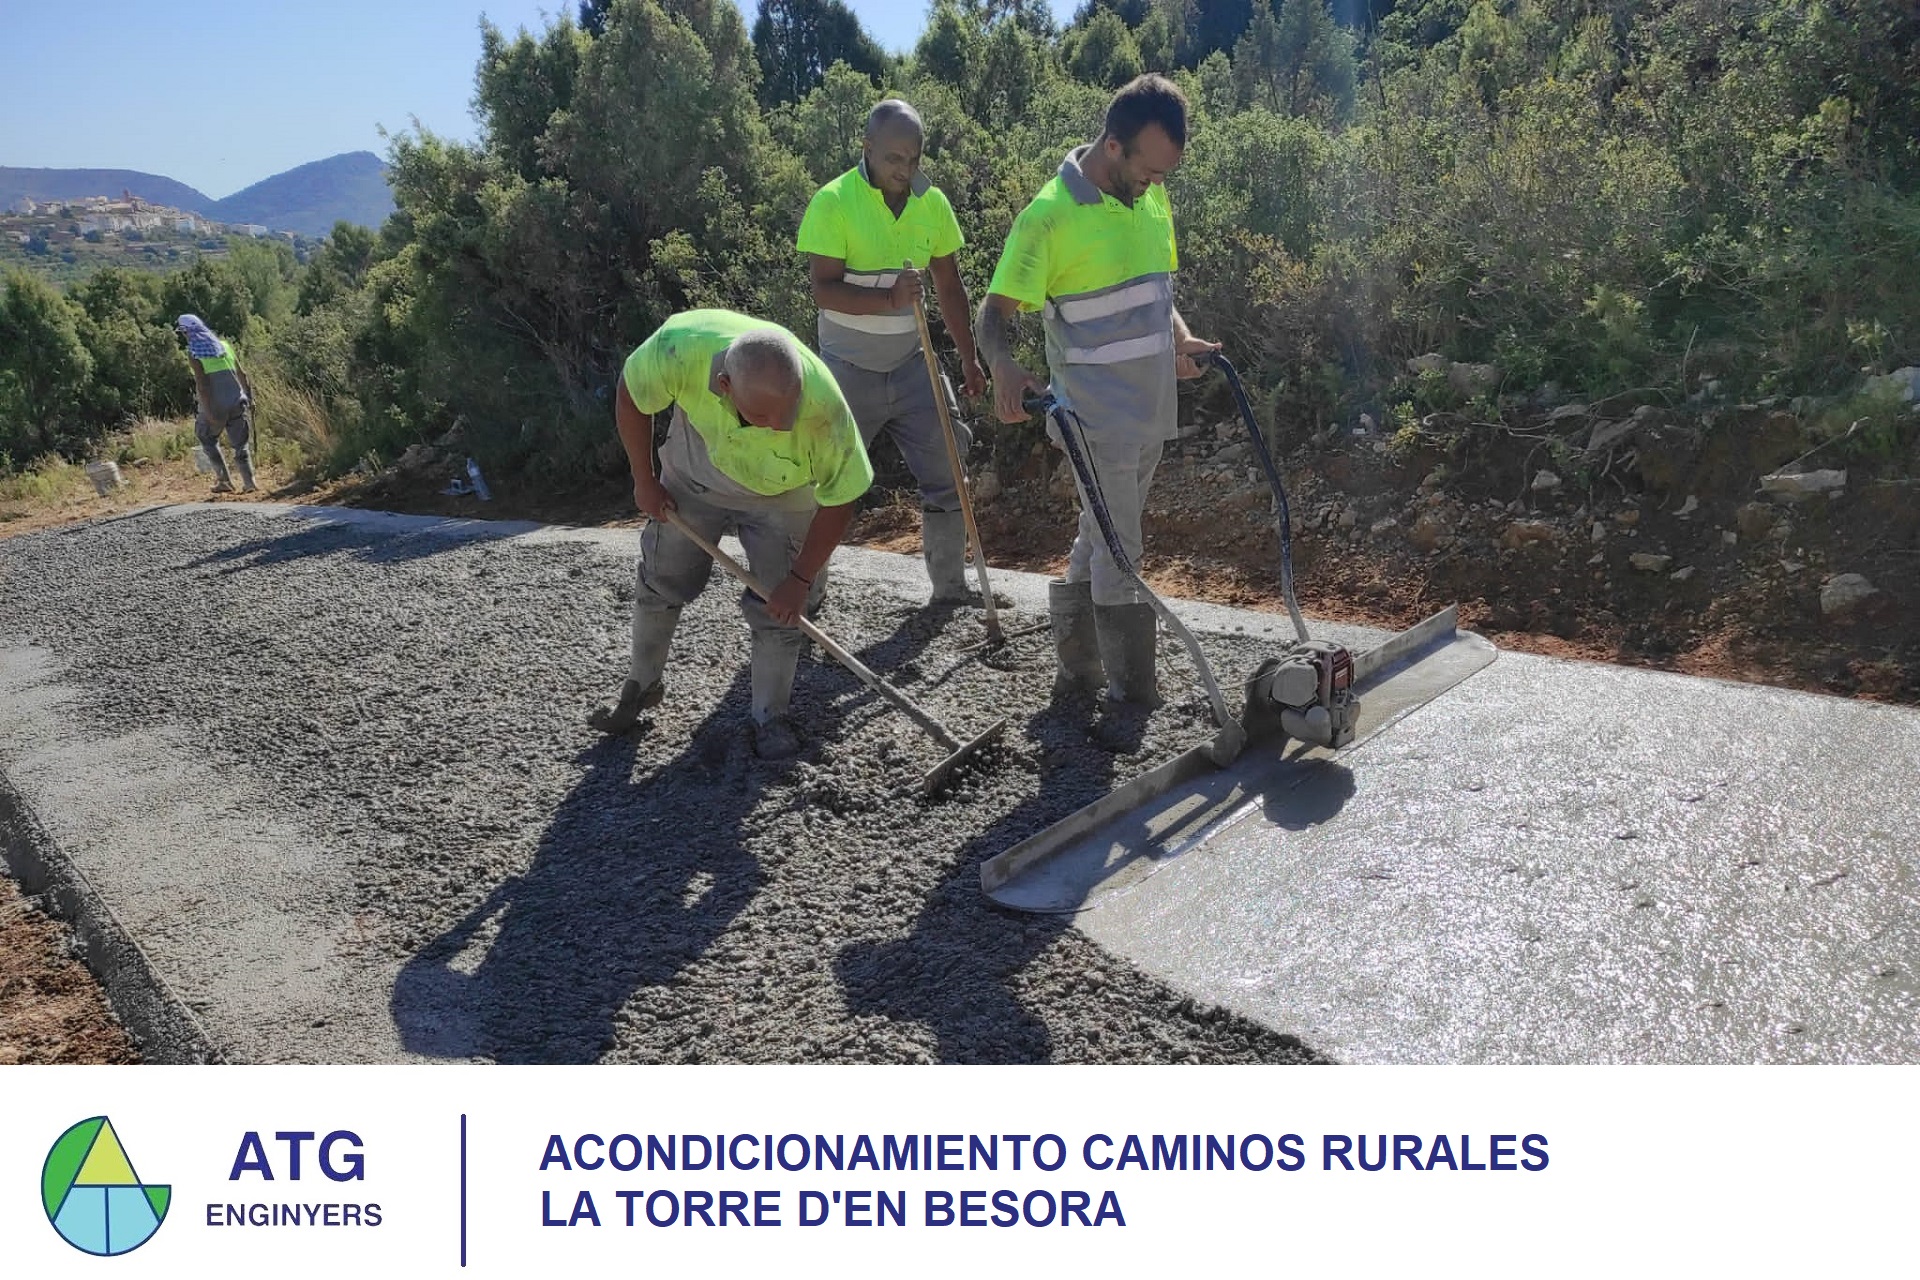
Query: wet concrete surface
x=328, y=769
x=1565, y=862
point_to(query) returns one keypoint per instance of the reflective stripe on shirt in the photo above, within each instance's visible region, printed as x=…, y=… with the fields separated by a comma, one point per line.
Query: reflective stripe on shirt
x=1120, y=352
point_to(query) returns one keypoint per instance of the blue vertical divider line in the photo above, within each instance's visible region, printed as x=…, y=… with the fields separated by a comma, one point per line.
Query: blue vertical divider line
x=463, y=1189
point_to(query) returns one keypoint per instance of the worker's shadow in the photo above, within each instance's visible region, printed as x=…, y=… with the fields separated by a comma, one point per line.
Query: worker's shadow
x=968, y=994
x=940, y=975
x=1322, y=791
x=623, y=893
x=372, y=538
x=919, y=650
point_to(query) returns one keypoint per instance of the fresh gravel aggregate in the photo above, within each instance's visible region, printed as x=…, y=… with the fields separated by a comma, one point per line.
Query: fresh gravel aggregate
x=416, y=704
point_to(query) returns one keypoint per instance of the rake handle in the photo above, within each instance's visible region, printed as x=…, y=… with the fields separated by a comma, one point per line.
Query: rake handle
x=959, y=470
x=866, y=675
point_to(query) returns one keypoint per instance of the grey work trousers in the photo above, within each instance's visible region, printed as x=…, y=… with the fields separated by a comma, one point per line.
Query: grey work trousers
x=900, y=404
x=673, y=570
x=1124, y=472
x=236, y=421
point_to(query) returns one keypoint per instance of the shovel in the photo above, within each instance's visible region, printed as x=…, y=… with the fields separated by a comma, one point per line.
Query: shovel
x=958, y=752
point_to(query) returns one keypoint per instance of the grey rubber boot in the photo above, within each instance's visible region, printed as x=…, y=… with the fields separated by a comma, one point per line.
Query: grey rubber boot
x=243, y=463
x=1127, y=650
x=1075, y=645
x=624, y=712
x=776, y=654
x=943, y=543
x=652, y=638
x=222, y=478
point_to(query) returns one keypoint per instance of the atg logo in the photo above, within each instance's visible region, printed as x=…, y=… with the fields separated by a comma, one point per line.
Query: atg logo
x=93, y=1197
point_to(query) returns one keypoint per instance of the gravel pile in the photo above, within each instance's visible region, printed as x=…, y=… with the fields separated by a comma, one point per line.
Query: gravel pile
x=542, y=894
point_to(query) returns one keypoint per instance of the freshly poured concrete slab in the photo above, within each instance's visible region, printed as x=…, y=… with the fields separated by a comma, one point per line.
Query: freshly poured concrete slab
x=1143, y=824
x=1566, y=862
x=1547, y=862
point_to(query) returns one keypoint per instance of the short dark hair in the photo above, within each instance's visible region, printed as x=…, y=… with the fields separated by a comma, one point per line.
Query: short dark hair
x=1145, y=100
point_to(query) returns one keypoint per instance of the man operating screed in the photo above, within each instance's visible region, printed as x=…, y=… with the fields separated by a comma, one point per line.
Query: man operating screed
x=1094, y=253
x=761, y=444
x=867, y=234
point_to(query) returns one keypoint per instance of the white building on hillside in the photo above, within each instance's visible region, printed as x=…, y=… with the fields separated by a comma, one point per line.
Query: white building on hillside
x=253, y=229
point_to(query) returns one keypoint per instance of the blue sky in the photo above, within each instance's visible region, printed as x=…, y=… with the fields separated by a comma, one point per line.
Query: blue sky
x=220, y=96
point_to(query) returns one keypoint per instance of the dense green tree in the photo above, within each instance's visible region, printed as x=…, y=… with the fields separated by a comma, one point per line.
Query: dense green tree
x=44, y=369
x=949, y=47
x=340, y=266
x=825, y=128
x=797, y=41
x=270, y=273
x=1297, y=63
x=516, y=298
x=1130, y=12
x=523, y=83
x=1103, y=51
x=1013, y=68
x=138, y=367
x=1159, y=40
x=1216, y=25
x=212, y=290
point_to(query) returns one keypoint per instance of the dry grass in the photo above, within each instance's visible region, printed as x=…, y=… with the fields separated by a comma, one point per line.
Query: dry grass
x=151, y=440
x=44, y=482
x=292, y=426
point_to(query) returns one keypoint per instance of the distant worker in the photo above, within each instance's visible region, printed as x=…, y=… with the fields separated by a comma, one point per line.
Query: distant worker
x=1094, y=253
x=762, y=445
x=869, y=234
x=225, y=400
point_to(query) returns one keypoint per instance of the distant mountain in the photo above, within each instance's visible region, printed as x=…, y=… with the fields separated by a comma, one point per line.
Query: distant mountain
x=310, y=199
x=78, y=184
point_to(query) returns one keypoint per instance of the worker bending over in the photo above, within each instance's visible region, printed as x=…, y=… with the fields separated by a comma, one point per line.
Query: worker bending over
x=761, y=445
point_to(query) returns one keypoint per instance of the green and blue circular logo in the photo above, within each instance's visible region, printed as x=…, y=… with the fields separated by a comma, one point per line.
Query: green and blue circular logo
x=93, y=1197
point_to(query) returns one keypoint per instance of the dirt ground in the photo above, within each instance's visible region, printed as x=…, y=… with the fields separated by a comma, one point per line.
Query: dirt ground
x=52, y=1010
x=1747, y=617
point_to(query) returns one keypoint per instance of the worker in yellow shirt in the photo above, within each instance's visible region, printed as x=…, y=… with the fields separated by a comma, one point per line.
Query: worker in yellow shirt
x=762, y=445
x=1094, y=254
x=868, y=235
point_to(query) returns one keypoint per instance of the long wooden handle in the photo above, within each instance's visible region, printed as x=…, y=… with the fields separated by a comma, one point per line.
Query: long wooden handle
x=821, y=638
x=959, y=467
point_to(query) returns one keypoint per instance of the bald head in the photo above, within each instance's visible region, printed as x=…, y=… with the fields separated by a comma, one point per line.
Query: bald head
x=893, y=118
x=762, y=378
x=892, y=149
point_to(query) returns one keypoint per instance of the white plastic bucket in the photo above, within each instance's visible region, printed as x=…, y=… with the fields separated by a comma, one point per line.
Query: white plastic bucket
x=105, y=477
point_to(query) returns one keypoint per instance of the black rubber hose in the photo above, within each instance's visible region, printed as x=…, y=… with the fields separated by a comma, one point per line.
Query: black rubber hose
x=1265, y=455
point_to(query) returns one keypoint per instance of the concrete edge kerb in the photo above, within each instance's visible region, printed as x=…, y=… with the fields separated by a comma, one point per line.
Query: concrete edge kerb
x=164, y=1028
x=901, y=574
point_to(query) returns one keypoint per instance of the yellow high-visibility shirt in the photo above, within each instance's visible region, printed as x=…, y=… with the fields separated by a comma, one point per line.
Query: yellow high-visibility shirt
x=1101, y=273
x=849, y=219
x=676, y=365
